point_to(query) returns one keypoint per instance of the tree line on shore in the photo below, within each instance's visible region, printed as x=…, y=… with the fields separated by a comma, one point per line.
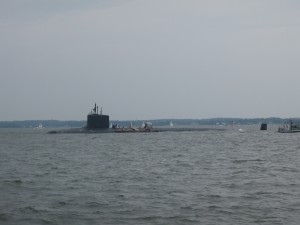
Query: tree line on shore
x=156, y=122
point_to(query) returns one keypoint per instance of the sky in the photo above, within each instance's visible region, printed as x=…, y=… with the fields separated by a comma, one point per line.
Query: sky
x=140, y=59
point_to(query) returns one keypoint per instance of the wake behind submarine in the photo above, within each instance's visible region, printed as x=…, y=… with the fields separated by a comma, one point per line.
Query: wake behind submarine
x=97, y=122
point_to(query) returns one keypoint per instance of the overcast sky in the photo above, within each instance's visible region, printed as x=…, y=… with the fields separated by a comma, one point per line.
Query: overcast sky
x=142, y=59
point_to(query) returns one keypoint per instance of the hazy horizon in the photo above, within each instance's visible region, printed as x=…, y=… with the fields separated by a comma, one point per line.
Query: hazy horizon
x=170, y=119
x=149, y=59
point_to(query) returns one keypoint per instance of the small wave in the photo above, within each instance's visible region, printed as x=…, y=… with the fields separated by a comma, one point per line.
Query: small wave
x=59, y=204
x=213, y=207
x=62, y=203
x=247, y=160
x=16, y=182
x=46, y=221
x=4, y=217
x=288, y=169
x=160, y=218
x=214, y=196
x=186, y=207
x=219, y=209
x=95, y=204
x=29, y=209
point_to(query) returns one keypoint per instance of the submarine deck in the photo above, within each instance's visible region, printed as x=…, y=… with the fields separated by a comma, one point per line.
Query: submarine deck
x=134, y=130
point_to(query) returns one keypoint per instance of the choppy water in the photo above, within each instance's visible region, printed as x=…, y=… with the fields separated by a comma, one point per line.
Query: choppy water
x=213, y=177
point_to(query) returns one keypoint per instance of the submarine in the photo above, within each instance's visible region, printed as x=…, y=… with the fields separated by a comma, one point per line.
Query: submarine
x=97, y=122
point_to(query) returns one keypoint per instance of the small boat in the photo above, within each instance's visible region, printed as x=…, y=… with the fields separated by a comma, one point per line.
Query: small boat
x=263, y=126
x=171, y=124
x=289, y=127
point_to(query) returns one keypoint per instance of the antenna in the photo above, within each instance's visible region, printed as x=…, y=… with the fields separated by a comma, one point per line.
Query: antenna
x=95, y=108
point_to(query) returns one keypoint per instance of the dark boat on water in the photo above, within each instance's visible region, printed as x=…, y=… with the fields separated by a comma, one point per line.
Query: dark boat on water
x=263, y=126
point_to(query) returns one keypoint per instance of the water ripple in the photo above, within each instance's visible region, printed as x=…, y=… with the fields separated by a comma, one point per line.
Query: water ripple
x=157, y=178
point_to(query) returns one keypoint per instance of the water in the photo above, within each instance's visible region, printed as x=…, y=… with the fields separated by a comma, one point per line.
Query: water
x=215, y=177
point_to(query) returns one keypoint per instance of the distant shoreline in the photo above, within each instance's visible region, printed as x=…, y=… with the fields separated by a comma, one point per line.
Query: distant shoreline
x=155, y=122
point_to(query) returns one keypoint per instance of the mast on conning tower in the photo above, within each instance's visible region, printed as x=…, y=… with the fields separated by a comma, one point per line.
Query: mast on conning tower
x=95, y=108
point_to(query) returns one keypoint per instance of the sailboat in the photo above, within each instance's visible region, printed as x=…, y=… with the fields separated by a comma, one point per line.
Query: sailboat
x=171, y=124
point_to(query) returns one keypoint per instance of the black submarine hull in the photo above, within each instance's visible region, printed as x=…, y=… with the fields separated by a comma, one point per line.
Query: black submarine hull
x=99, y=123
x=132, y=130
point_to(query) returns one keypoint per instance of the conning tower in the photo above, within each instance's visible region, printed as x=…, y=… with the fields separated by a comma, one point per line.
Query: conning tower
x=96, y=120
